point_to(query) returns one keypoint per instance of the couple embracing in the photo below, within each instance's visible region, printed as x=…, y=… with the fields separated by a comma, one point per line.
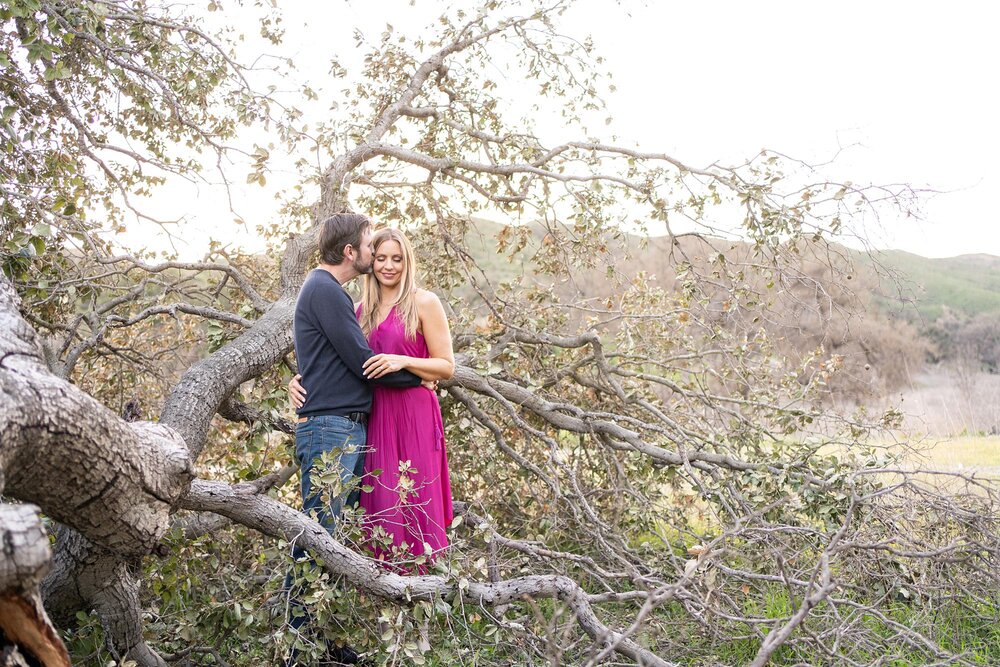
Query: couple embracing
x=365, y=396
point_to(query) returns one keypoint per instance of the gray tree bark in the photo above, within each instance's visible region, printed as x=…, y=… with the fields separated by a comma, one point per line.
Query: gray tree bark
x=114, y=482
x=243, y=505
x=26, y=634
x=59, y=448
x=111, y=483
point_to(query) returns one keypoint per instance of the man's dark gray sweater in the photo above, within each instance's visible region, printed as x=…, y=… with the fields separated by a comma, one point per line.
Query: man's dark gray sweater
x=331, y=349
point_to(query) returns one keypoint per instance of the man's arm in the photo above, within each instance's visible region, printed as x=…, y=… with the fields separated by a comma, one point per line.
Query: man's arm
x=400, y=379
x=340, y=326
x=297, y=393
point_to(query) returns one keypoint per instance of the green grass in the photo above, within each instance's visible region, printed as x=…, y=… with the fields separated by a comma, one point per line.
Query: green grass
x=970, y=631
x=963, y=451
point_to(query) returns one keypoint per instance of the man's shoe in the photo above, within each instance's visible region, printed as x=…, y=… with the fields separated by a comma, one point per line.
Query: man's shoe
x=344, y=655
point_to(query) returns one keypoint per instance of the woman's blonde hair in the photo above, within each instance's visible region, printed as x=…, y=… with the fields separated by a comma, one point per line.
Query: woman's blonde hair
x=406, y=302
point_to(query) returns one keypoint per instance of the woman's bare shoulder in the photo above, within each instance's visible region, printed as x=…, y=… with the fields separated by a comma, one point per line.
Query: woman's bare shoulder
x=426, y=297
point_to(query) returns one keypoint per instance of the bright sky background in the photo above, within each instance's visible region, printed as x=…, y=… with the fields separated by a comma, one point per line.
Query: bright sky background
x=907, y=89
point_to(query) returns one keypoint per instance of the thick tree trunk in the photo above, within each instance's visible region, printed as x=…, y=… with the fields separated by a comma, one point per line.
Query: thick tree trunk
x=203, y=387
x=84, y=466
x=114, y=482
x=87, y=468
x=26, y=635
x=85, y=576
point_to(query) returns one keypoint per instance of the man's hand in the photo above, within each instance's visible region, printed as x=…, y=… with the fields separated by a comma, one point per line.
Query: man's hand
x=381, y=364
x=296, y=392
x=430, y=384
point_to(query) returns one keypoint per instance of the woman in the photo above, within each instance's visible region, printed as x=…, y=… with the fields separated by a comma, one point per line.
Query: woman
x=406, y=492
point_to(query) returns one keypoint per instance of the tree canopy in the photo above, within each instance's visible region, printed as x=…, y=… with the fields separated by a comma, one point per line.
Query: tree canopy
x=648, y=473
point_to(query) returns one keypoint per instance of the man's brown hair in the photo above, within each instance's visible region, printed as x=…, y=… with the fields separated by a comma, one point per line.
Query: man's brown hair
x=338, y=232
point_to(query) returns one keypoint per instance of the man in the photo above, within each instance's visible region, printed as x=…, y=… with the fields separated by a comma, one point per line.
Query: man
x=331, y=350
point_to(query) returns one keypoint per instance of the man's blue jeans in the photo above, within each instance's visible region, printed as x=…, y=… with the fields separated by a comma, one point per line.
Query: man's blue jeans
x=313, y=438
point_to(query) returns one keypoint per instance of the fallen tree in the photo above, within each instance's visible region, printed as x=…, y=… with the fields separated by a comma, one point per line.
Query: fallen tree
x=643, y=475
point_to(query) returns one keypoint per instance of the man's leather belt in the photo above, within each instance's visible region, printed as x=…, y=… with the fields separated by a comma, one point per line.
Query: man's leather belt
x=356, y=417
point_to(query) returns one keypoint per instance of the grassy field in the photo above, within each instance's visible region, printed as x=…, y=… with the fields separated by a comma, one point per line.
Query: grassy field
x=961, y=453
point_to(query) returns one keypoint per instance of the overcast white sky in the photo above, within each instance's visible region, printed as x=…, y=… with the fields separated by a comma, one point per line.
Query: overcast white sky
x=908, y=88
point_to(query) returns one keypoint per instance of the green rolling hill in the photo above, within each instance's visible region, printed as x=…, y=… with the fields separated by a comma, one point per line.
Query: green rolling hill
x=923, y=287
x=918, y=288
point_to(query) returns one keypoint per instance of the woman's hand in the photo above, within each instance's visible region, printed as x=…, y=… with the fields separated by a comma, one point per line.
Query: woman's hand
x=381, y=364
x=296, y=392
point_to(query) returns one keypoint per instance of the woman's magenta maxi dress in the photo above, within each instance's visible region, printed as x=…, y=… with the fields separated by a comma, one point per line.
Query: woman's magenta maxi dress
x=405, y=425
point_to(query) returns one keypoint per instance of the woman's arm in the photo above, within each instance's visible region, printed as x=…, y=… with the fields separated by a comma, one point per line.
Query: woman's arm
x=297, y=393
x=440, y=365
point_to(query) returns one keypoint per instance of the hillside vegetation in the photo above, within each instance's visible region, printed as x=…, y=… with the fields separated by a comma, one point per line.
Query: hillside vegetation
x=826, y=309
x=922, y=288
x=919, y=288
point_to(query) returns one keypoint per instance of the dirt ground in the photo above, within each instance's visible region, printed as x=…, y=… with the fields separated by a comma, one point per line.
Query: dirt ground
x=941, y=402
